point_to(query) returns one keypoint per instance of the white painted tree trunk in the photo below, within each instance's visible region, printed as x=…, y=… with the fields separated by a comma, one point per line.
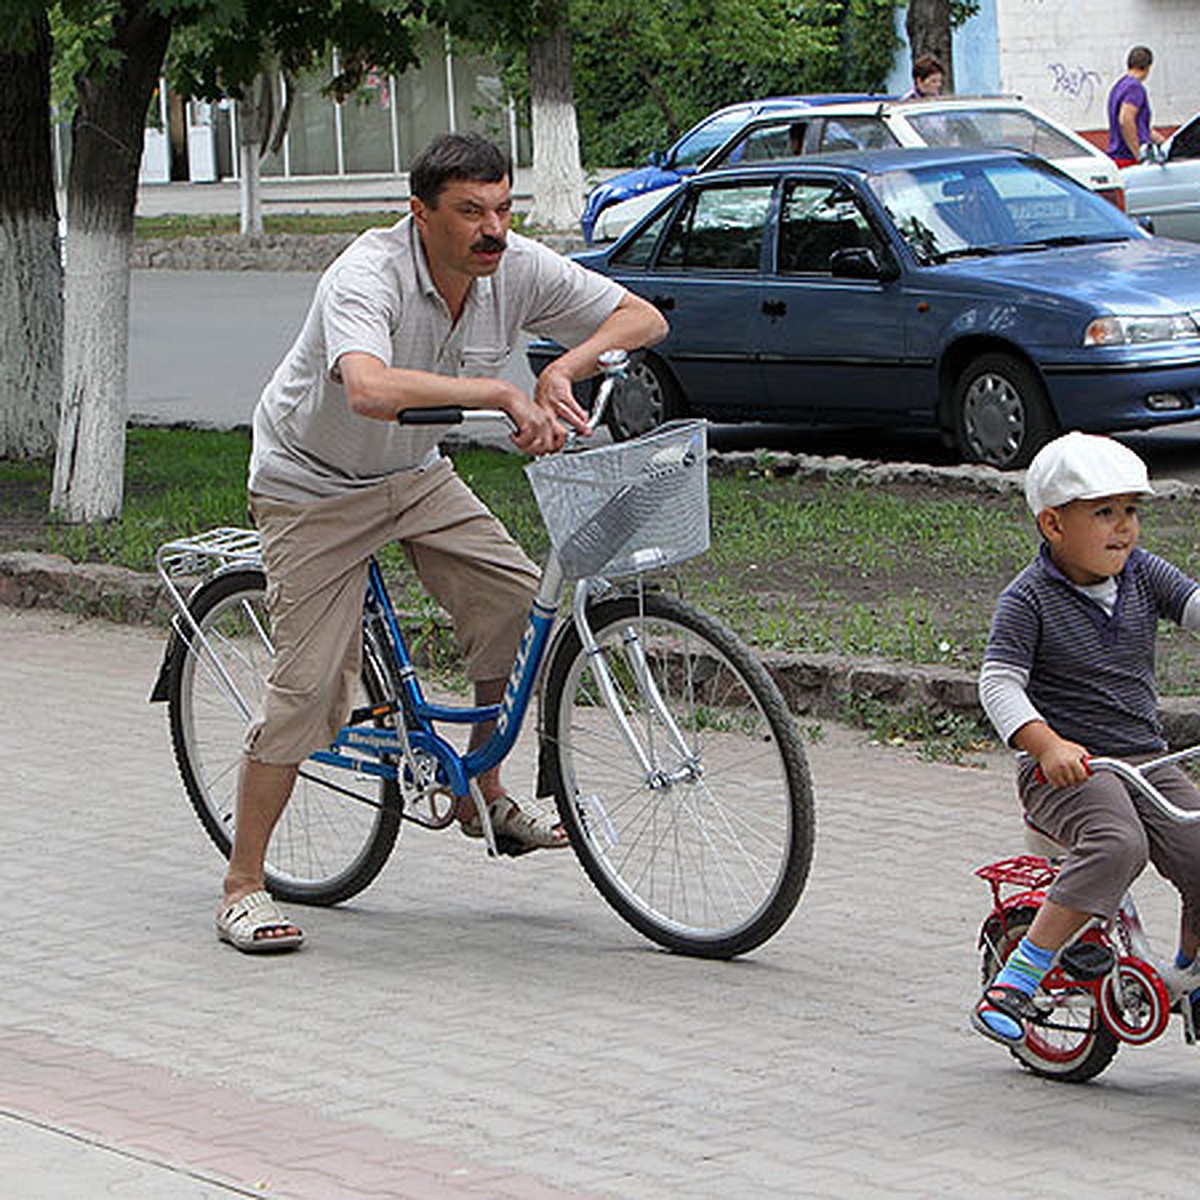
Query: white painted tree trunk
x=89, y=470
x=557, y=171
x=106, y=146
x=30, y=334
x=250, y=190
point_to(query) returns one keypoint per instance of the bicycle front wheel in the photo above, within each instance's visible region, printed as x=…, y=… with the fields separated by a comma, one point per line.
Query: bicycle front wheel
x=328, y=845
x=695, y=821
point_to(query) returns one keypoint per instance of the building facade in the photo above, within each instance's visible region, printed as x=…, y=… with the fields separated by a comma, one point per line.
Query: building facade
x=377, y=131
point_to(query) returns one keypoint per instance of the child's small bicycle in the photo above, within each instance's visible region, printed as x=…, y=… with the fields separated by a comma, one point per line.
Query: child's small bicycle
x=673, y=761
x=1106, y=987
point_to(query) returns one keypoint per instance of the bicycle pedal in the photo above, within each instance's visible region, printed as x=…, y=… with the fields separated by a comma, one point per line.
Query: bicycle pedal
x=1086, y=961
x=511, y=848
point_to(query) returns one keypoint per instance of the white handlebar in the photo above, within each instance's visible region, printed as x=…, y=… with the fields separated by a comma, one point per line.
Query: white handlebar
x=1135, y=777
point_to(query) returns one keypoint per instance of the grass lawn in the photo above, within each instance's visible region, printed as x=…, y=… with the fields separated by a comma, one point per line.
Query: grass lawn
x=908, y=574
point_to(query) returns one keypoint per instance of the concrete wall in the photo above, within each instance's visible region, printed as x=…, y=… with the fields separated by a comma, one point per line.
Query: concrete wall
x=1064, y=55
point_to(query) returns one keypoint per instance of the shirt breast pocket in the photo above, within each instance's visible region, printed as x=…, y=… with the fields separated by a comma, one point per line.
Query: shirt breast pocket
x=483, y=362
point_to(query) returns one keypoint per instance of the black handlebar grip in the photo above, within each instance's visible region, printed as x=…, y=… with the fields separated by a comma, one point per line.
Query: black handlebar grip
x=430, y=416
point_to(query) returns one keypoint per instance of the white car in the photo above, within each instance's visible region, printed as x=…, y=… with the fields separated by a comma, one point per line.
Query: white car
x=1167, y=188
x=964, y=122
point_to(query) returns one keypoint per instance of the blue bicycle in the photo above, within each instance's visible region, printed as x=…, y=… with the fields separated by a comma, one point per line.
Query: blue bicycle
x=668, y=750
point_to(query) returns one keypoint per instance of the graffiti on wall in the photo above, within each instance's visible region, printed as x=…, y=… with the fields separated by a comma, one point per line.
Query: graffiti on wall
x=1077, y=83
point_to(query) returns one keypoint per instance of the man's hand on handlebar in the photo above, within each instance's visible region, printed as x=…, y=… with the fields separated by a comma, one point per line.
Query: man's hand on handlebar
x=554, y=394
x=539, y=431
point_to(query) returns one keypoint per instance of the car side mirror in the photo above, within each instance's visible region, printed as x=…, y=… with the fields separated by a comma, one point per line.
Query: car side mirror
x=1153, y=152
x=860, y=262
x=657, y=158
x=1145, y=221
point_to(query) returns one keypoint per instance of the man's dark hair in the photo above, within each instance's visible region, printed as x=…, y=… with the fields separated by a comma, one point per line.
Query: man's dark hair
x=1139, y=59
x=926, y=65
x=455, y=156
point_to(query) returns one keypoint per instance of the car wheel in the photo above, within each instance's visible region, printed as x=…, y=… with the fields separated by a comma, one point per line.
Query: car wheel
x=644, y=400
x=1002, y=416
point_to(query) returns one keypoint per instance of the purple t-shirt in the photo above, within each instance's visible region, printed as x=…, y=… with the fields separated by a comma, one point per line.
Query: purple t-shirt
x=1127, y=90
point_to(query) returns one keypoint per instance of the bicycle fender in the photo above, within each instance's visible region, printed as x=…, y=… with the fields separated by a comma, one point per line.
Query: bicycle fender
x=158, y=694
x=997, y=919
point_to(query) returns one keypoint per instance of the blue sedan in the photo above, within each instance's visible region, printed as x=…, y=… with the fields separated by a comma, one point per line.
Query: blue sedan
x=983, y=294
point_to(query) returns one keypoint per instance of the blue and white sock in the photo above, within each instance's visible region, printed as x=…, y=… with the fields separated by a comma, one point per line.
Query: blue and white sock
x=1024, y=969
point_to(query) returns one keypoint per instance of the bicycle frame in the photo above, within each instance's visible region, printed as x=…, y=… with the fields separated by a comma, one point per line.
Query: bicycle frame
x=420, y=715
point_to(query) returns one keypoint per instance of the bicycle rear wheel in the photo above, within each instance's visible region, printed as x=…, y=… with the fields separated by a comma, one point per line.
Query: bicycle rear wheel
x=1076, y=1045
x=707, y=851
x=328, y=845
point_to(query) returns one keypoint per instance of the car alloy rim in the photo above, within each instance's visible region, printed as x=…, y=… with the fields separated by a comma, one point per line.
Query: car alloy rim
x=994, y=419
x=639, y=404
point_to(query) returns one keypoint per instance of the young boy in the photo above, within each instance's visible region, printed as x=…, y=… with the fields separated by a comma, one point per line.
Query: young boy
x=1068, y=673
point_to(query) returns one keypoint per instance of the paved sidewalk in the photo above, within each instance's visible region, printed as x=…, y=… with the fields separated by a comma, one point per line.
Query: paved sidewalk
x=468, y=1029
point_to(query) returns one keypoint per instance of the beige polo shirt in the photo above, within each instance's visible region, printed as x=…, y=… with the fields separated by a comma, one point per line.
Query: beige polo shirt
x=378, y=297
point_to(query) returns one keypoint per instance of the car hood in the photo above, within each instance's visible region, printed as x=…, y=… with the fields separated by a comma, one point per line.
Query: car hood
x=633, y=183
x=1142, y=275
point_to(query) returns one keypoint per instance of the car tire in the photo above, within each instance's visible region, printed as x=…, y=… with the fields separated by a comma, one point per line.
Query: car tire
x=1001, y=414
x=644, y=400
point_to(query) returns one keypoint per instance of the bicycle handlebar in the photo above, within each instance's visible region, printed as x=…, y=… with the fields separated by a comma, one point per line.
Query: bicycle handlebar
x=613, y=366
x=1135, y=777
x=452, y=415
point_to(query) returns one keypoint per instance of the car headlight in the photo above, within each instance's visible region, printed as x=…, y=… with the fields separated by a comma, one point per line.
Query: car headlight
x=1134, y=331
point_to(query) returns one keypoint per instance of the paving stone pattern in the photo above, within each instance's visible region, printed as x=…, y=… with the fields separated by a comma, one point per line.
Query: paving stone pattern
x=467, y=1029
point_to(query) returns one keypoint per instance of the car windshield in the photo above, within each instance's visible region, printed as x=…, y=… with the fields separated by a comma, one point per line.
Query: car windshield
x=707, y=137
x=997, y=207
x=1011, y=127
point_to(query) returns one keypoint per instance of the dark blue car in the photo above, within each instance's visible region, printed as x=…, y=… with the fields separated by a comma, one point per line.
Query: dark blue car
x=983, y=294
x=670, y=166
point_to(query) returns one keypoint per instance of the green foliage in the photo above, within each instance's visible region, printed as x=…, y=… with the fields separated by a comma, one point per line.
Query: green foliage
x=939, y=736
x=646, y=70
x=212, y=58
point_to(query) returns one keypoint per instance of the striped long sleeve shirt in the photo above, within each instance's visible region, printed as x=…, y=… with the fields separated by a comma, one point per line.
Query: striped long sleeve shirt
x=1086, y=668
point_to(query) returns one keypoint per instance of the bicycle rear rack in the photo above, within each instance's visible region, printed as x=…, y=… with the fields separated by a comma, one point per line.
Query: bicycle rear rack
x=204, y=554
x=201, y=557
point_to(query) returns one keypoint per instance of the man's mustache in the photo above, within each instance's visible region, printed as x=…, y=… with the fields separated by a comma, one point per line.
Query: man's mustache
x=489, y=245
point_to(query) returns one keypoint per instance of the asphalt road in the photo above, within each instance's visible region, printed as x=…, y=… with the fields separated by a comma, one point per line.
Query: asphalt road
x=203, y=343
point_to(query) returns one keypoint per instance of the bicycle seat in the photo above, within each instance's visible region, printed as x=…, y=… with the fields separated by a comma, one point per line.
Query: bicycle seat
x=1042, y=844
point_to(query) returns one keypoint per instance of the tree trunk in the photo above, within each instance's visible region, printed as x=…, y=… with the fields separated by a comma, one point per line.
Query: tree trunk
x=250, y=191
x=31, y=279
x=557, y=171
x=107, y=137
x=927, y=24
x=256, y=113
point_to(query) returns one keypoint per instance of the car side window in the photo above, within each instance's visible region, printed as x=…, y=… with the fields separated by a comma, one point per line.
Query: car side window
x=719, y=229
x=817, y=218
x=763, y=143
x=1186, y=143
x=855, y=133
x=636, y=255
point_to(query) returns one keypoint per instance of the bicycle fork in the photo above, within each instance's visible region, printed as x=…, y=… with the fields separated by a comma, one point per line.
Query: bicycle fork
x=656, y=778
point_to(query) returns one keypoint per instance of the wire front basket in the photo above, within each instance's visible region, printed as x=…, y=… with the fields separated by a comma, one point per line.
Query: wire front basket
x=627, y=508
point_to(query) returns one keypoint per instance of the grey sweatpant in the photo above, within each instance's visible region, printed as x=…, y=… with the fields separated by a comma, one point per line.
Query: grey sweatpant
x=1110, y=834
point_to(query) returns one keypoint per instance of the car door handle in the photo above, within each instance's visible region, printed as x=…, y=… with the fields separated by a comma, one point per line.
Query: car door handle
x=774, y=308
x=663, y=303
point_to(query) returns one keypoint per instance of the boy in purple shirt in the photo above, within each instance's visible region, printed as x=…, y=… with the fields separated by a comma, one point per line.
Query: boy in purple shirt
x=1129, y=110
x=1069, y=673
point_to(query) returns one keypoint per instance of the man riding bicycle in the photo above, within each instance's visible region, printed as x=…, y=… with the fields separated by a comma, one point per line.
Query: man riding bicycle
x=423, y=314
